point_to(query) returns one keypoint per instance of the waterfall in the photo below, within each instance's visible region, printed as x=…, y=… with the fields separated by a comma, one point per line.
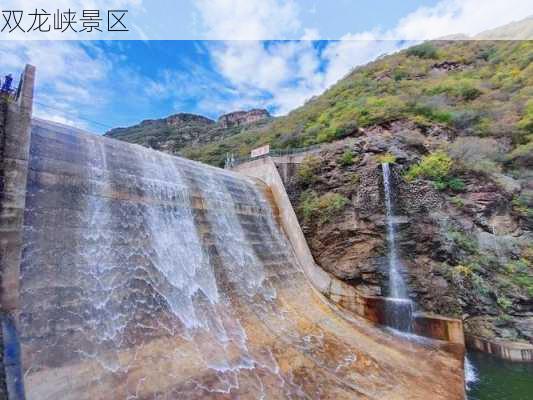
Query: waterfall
x=399, y=307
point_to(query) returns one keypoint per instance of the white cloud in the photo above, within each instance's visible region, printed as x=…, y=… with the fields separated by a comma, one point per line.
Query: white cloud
x=450, y=17
x=282, y=19
x=283, y=75
x=71, y=76
x=278, y=74
x=248, y=19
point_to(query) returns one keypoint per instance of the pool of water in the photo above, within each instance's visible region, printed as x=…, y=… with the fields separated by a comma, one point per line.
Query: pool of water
x=499, y=379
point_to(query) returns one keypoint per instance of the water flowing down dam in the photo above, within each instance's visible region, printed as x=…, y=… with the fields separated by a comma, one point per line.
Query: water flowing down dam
x=399, y=307
x=148, y=276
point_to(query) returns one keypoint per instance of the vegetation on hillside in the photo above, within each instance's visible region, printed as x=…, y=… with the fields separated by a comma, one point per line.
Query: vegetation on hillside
x=321, y=207
x=478, y=88
x=436, y=167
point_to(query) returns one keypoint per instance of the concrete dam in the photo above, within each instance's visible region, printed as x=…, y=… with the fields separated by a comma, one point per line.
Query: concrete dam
x=133, y=274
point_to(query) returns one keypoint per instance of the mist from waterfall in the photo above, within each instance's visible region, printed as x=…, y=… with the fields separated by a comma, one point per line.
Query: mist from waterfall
x=399, y=306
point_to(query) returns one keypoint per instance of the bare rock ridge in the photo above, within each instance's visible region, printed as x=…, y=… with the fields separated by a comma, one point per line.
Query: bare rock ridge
x=238, y=118
x=175, y=132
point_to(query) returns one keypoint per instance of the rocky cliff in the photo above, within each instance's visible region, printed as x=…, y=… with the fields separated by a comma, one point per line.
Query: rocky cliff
x=238, y=118
x=467, y=249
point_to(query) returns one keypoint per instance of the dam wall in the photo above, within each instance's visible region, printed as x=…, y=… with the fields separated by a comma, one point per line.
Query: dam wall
x=149, y=276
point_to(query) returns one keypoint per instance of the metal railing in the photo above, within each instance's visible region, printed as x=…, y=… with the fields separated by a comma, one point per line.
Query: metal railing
x=272, y=153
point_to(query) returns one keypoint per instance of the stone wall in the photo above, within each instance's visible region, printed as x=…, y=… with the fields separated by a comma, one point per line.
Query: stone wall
x=15, y=116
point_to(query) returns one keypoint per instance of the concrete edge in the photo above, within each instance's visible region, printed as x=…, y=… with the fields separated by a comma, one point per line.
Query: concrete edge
x=511, y=351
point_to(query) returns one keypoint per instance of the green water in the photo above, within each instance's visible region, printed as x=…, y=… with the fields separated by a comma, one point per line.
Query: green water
x=499, y=379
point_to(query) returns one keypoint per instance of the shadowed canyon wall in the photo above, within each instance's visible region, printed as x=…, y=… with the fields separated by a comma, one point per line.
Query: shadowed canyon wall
x=148, y=276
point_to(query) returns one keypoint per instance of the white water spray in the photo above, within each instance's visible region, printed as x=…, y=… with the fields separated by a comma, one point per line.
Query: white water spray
x=396, y=283
x=399, y=307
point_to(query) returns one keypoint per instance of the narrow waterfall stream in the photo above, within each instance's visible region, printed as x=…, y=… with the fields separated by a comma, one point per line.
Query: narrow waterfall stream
x=399, y=306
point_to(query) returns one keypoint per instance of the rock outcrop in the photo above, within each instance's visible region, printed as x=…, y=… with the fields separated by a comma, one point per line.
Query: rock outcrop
x=239, y=118
x=465, y=254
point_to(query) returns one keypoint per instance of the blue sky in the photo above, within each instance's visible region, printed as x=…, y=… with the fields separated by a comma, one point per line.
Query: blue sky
x=97, y=85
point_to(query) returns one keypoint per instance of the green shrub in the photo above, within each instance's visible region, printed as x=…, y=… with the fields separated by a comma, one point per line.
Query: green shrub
x=424, y=50
x=464, y=242
x=347, y=158
x=517, y=266
x=386, y=158
x=521, y=207
x=504, y=303
x=465, y=119
x=321, y=207
x=461, y=274
x=435, y=166
x=463, y=89
x=522, y=155
x=525, y=281
x=469, y=93
x=463, y=270
x=375, y=110
x=399, y=74
x=440, y=184
x=521, y=273
x=488, y=53
x=526, y=122
x=433, y=113
x=457, y=201
x=456, y=184
x=307, y=170
x=481, y=288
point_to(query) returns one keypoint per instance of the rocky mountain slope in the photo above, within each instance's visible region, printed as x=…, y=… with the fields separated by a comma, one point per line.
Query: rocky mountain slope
x=480, y=88
x=178, y=131
x=466, y=248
